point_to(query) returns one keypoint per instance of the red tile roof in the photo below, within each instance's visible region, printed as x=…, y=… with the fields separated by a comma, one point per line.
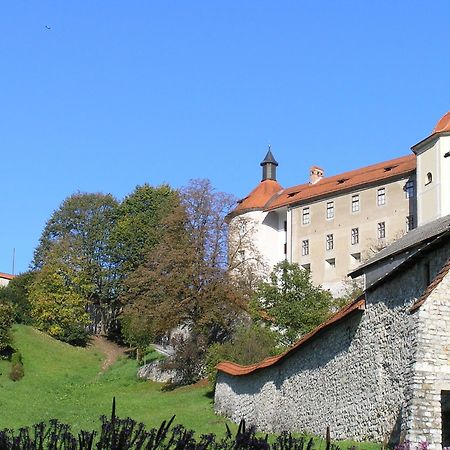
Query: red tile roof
x=237, y=370
x=258, y=198
x=7, y=276
x=347, y=180
x=431, y=287
x=443, y=124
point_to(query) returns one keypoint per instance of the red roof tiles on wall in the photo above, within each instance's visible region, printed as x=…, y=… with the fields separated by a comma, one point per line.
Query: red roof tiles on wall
x=237, y=370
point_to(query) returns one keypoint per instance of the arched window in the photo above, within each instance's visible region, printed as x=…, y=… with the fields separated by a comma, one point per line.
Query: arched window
x=429, y=178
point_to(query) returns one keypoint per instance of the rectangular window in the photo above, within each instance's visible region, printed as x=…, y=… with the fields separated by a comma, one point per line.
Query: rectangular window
x=381, y=230
x=285, y=249
x=330, y=210
x=409, y=189
x=355, y=236
x=355, y=203
x=305, y=247
x=409, y=223
x=329, y=243
x=381, y=196
x=306, y=216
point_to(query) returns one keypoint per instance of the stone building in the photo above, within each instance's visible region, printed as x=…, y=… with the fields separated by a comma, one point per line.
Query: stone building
x=330, y=224
x=379, y=369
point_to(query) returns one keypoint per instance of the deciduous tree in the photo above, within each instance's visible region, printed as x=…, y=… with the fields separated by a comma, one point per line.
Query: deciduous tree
x=60, y=294
x=184, y=279
x=138, y=225
x=85, y=221
x=291, y=301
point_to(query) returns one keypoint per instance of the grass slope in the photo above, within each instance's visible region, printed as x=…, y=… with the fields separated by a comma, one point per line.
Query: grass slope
x=65, y=382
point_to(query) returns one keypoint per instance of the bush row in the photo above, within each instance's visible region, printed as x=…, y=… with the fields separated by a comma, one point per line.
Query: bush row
x=127, y=434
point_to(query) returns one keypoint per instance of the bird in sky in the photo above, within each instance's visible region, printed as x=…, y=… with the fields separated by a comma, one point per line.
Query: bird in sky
x=47, y=27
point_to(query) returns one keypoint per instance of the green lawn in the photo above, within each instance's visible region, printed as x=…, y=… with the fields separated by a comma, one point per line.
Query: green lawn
x=65, y=382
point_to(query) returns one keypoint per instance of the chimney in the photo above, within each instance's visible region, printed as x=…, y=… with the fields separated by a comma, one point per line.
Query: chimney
x=315, y=174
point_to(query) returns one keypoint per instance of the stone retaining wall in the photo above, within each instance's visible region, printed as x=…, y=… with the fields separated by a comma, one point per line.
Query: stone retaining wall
x=355, y=377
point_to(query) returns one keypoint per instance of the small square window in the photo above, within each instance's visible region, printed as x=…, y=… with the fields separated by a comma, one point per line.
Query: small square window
x=331, y=263
x=381, y=197
x=355, y=203
x=306, y=219
x=307, y=267
x=355, y=236
x=381, y=230
x=305, y=247
x=330, y=210
x=329, y=242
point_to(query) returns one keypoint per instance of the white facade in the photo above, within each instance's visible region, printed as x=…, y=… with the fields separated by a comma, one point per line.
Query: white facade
x=433, y=177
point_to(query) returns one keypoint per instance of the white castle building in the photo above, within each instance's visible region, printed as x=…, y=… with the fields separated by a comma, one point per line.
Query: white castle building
x=330, y=225
x=379, y=369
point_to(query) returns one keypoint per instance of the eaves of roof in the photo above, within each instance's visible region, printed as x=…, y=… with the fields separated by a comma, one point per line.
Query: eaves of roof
x=412, y=239
x=339, y=184
x=234, y=369
x=432, y=137
x=7, y=276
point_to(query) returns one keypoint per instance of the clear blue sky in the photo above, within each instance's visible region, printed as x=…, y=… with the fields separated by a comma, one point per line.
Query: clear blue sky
x=119, y=93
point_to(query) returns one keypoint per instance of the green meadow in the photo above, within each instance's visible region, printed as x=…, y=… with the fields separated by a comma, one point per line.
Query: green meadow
x=66, y=383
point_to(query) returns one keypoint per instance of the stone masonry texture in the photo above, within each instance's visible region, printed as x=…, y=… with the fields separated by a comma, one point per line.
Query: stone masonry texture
x=377, y=375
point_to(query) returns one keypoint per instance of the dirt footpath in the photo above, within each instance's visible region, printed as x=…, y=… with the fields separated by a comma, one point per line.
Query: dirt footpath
x=111, y=350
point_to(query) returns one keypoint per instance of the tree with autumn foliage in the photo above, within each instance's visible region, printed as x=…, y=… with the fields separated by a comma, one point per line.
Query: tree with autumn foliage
x=60, y=294
x=184, y=280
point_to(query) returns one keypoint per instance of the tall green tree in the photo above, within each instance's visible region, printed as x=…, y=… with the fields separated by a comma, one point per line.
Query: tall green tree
x=86, y=220
x=60, y=293
x=6, y=320
x=291, y=302
x=16, y=294
x=138, y=225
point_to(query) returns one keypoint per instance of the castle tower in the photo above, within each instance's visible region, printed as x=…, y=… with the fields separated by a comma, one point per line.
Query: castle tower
x=269, y=166
x=433, y=173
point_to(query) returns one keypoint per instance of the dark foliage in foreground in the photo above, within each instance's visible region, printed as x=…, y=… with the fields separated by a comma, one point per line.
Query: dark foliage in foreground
x=126, y=434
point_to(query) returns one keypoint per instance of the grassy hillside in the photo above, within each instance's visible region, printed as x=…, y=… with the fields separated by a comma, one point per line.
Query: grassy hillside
x=65, y=382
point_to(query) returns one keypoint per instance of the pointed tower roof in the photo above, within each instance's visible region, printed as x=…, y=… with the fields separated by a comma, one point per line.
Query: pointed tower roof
x=263, y=192
x=269, y=159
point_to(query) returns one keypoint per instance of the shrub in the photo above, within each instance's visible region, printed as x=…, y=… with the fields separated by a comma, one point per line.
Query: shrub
x=17, y=371
x=248, y=346
x=188, y=360
x=6, y=319
x=127, y=434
